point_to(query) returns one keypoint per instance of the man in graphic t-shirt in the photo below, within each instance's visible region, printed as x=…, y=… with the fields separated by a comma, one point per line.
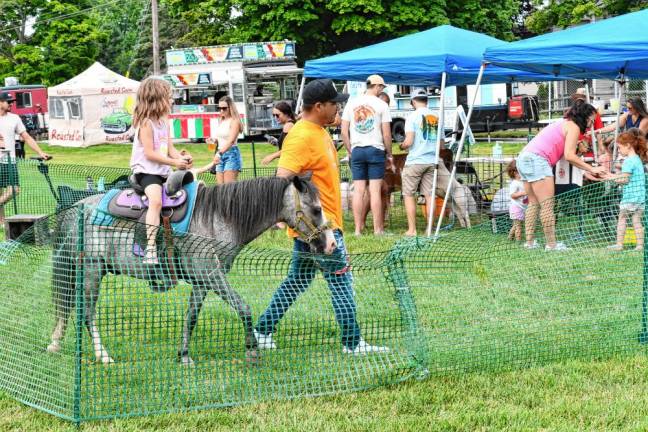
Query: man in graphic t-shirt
x=421, y=128
x=10, y=126
x=366, y=133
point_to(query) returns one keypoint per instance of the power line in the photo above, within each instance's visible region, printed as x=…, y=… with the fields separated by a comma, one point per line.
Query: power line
x=60, y=17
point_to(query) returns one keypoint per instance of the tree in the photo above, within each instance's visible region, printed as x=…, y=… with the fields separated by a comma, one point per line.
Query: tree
x=124, y=26
x=494, y=18
x=15, y=31
x=563, y=13
x=65, y=40
x=520, y=29
x=171, y=31
x=323, y=27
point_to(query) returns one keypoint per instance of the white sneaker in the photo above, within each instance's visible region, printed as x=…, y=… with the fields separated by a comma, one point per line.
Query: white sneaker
x=533, y=245
x=264, y=341
x=558, y=247
x=151, y=257
x=364, y=348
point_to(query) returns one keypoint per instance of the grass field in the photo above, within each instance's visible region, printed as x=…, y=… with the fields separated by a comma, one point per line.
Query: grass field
x=517, y=341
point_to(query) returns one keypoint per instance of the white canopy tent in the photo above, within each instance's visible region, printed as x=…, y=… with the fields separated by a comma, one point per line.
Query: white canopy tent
x=94, y=107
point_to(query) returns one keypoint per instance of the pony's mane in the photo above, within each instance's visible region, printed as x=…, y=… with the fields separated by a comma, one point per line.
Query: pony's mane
x=244, y=204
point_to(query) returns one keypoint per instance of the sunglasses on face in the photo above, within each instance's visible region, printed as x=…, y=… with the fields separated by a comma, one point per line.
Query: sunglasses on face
x=220, y=108
x=275, y=116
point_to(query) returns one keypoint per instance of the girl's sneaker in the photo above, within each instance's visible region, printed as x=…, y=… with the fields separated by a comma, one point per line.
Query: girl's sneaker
x=559, y=246
x=533, y=245
x=151, y=257
x=615, y=247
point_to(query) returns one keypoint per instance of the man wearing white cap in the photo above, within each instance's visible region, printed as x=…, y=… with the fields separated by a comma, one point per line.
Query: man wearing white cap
x=418, y=173
x=366, y=133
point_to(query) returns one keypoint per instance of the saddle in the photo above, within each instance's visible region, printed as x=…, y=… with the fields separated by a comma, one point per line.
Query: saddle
x=178, y=201
x=133, y=204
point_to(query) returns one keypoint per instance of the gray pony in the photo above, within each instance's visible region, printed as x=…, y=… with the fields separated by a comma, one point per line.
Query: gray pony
x=225, y=219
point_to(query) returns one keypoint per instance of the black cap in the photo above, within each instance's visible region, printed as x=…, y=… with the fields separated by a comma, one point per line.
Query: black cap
x=322, y=90
x=6, y=97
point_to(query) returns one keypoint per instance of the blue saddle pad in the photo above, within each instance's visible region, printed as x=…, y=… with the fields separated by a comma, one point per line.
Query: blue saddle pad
x=102, y=217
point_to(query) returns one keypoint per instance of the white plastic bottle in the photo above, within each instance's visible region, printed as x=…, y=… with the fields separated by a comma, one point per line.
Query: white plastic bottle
x=497, y=150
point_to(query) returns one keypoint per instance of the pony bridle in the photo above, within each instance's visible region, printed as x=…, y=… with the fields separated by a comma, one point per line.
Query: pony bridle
x=301, y=217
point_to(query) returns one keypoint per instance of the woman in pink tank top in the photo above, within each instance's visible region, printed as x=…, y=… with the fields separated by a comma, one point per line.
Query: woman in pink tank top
x=153, y=152
x=535, y=162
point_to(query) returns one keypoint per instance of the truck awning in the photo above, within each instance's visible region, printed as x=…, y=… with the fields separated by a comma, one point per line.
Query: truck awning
x=268, y=71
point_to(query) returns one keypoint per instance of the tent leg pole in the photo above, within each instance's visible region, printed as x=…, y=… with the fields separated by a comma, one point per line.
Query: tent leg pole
x=464, y=132
x=619, y=89
x=591, y=135
x=551, y=84
x=440, y=136
x=300, y=96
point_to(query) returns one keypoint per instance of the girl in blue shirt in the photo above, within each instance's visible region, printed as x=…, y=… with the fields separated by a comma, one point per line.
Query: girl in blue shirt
x=632, y=146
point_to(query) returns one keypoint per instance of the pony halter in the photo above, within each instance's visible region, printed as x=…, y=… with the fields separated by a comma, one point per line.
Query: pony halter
x=312, y=231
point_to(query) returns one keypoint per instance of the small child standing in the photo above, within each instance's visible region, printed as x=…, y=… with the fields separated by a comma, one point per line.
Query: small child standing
x=153, y=152
x=632, y=146
x=519, y=202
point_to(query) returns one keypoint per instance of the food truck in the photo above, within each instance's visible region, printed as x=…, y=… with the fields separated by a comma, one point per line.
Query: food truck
x=255, y=75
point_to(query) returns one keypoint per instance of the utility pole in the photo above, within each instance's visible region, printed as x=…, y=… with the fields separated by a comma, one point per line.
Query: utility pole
x=156, y=41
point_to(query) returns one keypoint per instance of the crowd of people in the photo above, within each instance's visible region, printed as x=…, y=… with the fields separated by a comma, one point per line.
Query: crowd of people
x=532, y=186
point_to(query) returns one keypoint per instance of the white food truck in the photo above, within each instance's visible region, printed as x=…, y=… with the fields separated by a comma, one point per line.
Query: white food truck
x=256, y=75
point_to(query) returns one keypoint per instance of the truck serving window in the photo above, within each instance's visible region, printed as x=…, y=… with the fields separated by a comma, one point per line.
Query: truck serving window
x=23, y=100
x=237, y=92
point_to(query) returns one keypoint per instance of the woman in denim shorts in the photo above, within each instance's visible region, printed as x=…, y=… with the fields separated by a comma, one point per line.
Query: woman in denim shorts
x=535, y=163
x=227, y=160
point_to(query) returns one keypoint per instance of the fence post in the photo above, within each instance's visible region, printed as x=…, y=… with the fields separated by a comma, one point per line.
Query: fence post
x=79, y=301
x=396, y=275
x=643, y=336
x=254, y=168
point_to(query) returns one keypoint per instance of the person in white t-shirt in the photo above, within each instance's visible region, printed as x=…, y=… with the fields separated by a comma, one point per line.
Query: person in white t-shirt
x=366, y=133
x=421, y=141
x=10, y=126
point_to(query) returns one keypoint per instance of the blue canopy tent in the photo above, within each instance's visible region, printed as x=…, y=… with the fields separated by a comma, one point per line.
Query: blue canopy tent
x=421, y=59
x=604, y=49
x=613, y=49
x=443, y=56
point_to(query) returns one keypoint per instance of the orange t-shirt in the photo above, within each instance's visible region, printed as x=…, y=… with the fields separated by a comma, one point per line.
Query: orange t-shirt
x=308, y=147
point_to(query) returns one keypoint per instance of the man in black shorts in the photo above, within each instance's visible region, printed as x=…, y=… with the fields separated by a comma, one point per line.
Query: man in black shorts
x=10, y=126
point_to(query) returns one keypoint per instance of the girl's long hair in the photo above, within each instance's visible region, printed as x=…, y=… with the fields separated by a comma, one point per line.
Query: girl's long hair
x=232, y=110
x=286, y=109
x=635, y=139
x=579, y=112
x=639, y=106
x=511, y=169
x=152, y=100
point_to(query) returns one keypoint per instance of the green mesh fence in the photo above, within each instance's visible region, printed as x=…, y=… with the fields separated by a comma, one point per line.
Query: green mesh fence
x=140, y=369
x=472, y=300
x=40, y=188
